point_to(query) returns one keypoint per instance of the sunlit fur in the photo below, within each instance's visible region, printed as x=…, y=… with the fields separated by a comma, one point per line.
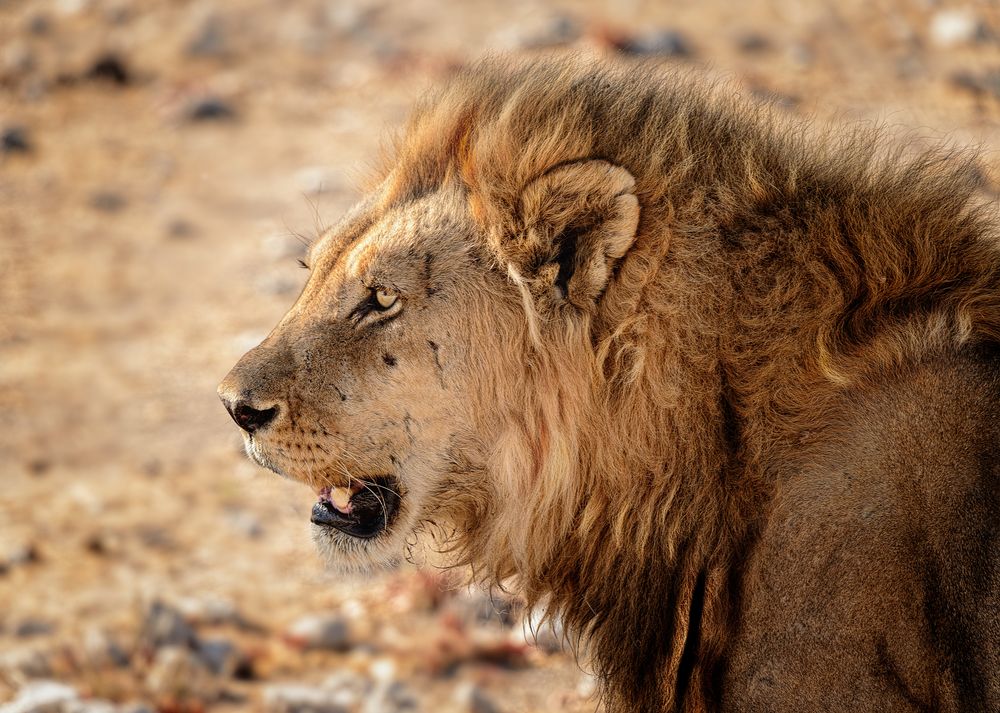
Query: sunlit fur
x=615, y=456
x=772, y=269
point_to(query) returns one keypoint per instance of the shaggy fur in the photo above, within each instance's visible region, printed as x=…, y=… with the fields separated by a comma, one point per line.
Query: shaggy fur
x=702, y=312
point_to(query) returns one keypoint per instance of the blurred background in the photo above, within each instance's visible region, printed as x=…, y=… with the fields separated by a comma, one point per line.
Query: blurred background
x=158, y=159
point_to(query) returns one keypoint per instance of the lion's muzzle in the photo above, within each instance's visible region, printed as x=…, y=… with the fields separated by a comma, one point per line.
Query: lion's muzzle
x=368, y=512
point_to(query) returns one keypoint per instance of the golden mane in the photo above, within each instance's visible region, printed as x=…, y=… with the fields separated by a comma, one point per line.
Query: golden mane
x=772, y=269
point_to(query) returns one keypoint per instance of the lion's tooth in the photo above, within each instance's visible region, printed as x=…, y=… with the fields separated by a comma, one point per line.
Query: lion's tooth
x=340, y=497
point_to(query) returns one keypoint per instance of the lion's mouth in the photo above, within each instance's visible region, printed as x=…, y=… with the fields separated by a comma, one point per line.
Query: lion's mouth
x=363, y=510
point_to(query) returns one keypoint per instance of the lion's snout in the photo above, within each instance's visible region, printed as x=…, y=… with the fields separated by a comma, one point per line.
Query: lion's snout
x=249, y=390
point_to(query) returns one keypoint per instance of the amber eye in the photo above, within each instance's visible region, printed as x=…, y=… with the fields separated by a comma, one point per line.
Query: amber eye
x=385, y=299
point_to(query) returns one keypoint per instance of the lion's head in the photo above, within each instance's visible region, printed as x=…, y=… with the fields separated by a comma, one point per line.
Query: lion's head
x=414, y=381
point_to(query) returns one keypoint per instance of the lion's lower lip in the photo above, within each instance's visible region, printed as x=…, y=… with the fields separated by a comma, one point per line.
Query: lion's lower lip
x=372, y=510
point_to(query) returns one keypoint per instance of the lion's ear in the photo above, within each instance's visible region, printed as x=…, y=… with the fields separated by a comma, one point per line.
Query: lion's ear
x=574, y=222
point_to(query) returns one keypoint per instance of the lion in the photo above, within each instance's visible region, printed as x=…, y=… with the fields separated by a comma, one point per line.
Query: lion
x=718, y=389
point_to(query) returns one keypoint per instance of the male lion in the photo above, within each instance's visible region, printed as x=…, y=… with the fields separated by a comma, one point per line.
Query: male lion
x=723, y=396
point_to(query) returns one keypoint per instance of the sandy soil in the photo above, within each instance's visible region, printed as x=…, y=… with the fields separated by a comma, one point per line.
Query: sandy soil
x=158, y=160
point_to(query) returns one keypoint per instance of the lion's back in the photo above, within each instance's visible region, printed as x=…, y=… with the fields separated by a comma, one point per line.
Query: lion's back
x=877, y=574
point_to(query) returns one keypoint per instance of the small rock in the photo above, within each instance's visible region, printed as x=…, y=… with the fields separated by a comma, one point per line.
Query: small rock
x=90, y=706
x=178, y=674
x=328, y=632
x=42, y=697
x=33, y=627
x=154, y=537
x=163, y=626
x=18, y=59
x=980, y=85
x=209, y=611
x=107, y=201
x=753, y=43
x=109, y=68
x=209, y=40
x=179, y=228
x=561, y=30
x=23, y=555
x=21, y=664
x=348, y=688
x=663, y=43
x=104, y=543
x=101, y=650
x=39, y=24
x=209, y=109
x=801, y=55
x=955, y=27
x=37, y=467
x=294, y=698
x=220, y=656
x=392, y=697
x=475, y=606
x=14, y=139
x=244, y=522
x=472, y=699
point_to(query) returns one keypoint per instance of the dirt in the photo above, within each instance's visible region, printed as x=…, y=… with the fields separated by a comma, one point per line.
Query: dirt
x=159, y=161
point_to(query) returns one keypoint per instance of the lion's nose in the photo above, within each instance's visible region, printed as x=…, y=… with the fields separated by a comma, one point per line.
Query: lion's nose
x=247, y=416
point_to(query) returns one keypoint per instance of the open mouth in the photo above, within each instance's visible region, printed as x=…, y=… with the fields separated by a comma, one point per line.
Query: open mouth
x=363, y=510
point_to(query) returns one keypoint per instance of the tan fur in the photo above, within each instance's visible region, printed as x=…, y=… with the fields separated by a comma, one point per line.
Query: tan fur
x=636, y=311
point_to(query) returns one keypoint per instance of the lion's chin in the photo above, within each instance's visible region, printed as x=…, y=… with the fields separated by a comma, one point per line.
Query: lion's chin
x=346, y=553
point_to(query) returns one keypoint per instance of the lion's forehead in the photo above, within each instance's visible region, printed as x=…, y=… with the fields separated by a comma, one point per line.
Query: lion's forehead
x=405, y=237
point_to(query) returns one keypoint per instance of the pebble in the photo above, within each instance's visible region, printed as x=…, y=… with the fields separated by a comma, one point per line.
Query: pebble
x=209, y=108
x=955, y=27
x=560, y=31
x=15, y=139
x=209, y=611
x=177, y=673
x=348, y=688
x=18, y=59
x=42, y=697
x=662, y=43
x=472, y=699
x=392, y=697
x=220, y=656
x=753, y=43
x=984, y=84
x=296, y=698
x=39, y=24
x=164, y=625
x=107, y=201
x=109, y=68
x=209, y=40
x=179, y=228
x=475, y=606
x=33, y=627
x=244, y=522
x=21, y=664
x=102, y=650
x=90, y=706
x=329, y=632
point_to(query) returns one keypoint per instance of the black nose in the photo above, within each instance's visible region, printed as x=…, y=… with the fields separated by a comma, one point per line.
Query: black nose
x=247, y=417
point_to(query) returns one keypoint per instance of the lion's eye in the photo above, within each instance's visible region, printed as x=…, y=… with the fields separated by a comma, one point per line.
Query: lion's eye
x=385, y=299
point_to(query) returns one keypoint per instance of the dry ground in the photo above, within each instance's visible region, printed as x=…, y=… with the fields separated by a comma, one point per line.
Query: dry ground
x=143, y=249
